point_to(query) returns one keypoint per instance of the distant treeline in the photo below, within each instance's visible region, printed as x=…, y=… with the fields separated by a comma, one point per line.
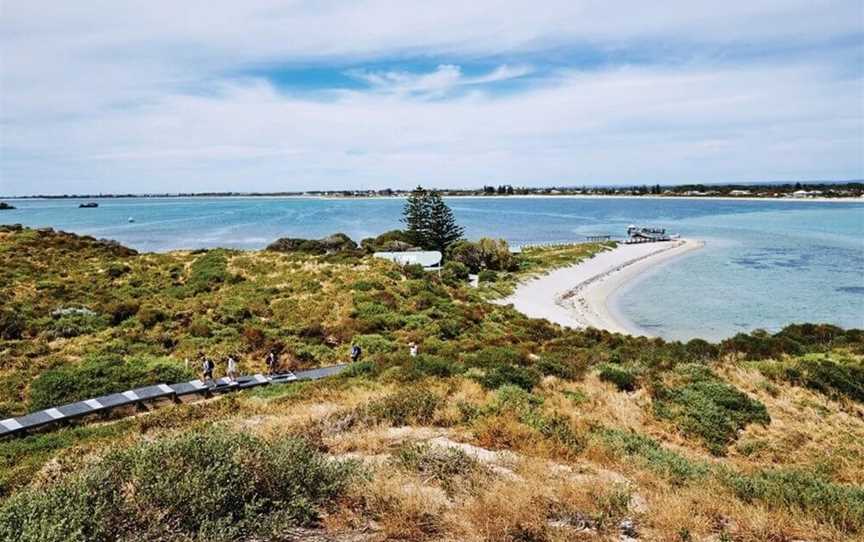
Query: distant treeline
x=823, y=189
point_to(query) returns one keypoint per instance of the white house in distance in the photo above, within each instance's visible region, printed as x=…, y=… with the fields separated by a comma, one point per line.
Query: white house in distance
x=806, y=194
x=428, y=259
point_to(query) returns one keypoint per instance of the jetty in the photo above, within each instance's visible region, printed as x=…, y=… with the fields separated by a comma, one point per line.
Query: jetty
x=641, y=234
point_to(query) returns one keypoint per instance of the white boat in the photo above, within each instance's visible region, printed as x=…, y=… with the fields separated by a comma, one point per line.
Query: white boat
x=131, y=219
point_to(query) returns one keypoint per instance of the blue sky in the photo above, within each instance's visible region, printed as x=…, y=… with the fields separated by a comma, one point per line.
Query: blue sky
x=266, y=95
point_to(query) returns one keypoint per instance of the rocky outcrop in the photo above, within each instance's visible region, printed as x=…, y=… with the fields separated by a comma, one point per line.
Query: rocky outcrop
x=5, y=206
x=338, y=242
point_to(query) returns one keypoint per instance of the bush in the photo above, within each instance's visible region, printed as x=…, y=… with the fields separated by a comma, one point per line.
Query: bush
x=494, y=356
x=837, y=504
x=409, y=406
x=500, y=375
x=122, y=311
x=149, y=316
x=454, y=272
x=703, y=405
x=492, y=254
x=426, y=365
x=214, y=485
x=829, y=377
x=667, y=463
x=442, y=464
x=208, y=271
x=487, y=275
x=102, y=376
x=116, y=270
x=623, y=378
x=75, y=324
x=12, y=325
x=553, y=365
x=200, y=328
x=414, y=271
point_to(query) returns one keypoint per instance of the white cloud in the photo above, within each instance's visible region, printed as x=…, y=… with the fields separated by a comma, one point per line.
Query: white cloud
x=443, y=79
x=118, y=96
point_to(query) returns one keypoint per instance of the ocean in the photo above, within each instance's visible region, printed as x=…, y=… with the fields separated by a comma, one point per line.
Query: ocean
x=765, y=263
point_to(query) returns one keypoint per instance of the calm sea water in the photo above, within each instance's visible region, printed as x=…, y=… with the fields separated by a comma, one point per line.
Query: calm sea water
x=765, y=264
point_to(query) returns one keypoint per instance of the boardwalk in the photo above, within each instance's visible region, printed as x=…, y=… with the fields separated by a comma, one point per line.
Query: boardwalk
x=140, y=397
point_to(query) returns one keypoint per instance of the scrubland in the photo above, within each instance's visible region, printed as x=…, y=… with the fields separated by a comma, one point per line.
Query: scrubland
x=503, y=428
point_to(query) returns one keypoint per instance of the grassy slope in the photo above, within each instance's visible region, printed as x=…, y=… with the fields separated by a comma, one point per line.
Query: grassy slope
x=504, y=427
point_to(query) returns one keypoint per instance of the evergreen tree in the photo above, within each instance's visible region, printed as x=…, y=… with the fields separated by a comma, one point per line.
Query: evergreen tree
x=415, y=216
x=443, y=230
x=429, y=221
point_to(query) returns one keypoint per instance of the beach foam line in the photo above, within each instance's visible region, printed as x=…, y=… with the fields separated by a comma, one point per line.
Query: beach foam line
x=577, y=296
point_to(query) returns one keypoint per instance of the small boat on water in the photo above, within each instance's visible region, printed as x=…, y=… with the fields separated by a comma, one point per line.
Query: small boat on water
x=88, y=205
x=131, y=220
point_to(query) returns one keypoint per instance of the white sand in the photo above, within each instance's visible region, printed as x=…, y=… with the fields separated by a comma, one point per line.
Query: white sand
x=577, y=296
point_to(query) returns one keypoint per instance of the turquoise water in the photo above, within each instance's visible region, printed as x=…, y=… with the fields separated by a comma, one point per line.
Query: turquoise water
x=765, y=263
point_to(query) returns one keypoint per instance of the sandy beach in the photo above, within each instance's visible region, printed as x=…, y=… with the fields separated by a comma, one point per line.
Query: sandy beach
x=577, y=296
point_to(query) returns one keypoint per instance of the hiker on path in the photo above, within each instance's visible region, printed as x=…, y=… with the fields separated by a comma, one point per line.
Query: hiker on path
x=272, y=363
x=232, y=368
x=207, y=367
x=356, y=352
x=413, y=350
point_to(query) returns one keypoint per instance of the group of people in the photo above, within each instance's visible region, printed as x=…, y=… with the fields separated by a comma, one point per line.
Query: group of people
x=208, y=366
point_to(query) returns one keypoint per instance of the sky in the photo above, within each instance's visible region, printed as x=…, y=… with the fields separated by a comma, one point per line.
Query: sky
x=262, y=95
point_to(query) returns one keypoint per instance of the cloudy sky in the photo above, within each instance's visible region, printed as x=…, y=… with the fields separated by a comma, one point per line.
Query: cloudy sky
x=156, y=96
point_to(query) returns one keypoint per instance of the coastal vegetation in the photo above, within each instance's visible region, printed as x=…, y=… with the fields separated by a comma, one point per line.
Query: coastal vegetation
x=501, y=428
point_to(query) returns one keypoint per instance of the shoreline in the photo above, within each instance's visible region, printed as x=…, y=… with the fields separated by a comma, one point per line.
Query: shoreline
x=579, y=295
x=454, y=196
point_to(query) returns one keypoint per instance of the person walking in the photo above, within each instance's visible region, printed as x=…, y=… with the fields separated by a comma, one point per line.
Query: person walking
x=232, y=368
x=272, y=363
x=207, y=367
x=413, y=350
x=356, y=352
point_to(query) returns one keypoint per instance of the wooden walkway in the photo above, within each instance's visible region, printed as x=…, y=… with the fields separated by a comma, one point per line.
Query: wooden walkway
x=140, y=397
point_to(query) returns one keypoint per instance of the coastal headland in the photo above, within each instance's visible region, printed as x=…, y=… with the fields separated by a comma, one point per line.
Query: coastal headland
x=577, y=295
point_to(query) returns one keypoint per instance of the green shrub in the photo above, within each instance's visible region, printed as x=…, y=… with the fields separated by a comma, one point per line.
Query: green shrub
x=75, y=324
x=150, y=315
x=200, y=328
x=623, y=378
x=445, y=465
x=487, y=275
x=414, y=271
x=837, y=504
x=208, y=271
x=654, y=456
x=12, y=325
x=703, y=405
x=116, y=270
x=427, y=365
x=491, y=254
x=556, y=366
x=101, y=376
x=494, y=356
x=829, y=377
x=500, y=375
x=360, y=368
x=122, y=311
x=454, y=272
x=408, y=406
x=215, y=485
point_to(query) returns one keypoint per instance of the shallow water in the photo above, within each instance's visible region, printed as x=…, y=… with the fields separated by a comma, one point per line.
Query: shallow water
x=765, y=263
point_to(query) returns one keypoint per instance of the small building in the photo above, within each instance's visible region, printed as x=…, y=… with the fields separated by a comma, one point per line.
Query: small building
x=430, y=260
x=740, y=193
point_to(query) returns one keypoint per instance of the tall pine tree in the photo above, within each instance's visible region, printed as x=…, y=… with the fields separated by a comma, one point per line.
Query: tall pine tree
x=430, y=222
x=415, y=216
x=443, y=230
